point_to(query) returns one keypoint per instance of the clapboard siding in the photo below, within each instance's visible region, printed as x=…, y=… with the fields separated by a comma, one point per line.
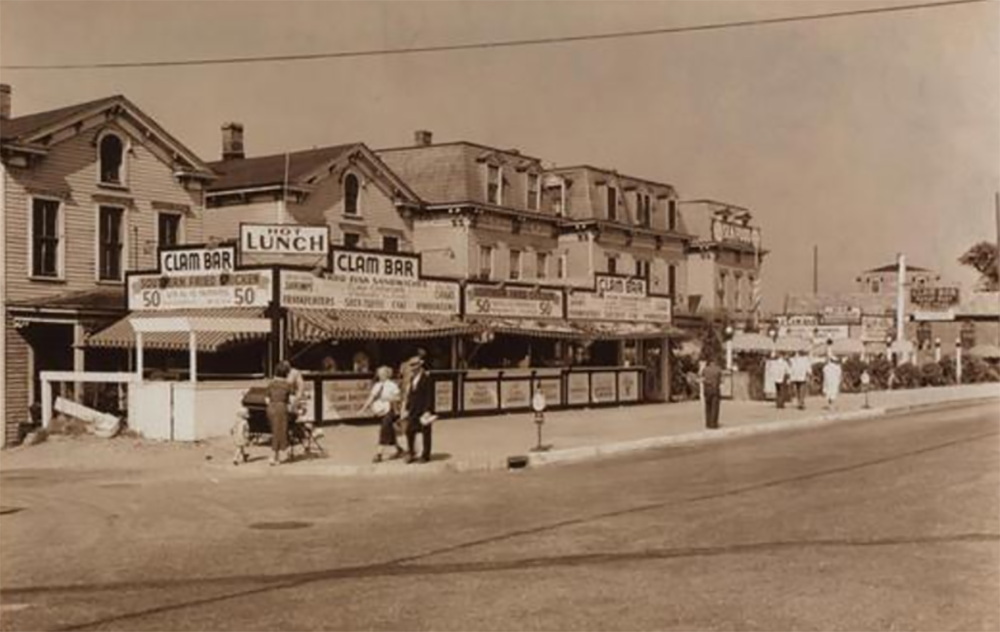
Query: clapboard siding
x=15, y=382
x=223, y=222
x=70, y=172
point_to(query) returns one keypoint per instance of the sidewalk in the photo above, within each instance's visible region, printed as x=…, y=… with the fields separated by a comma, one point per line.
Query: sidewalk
x=475, y=443
x=485, y=443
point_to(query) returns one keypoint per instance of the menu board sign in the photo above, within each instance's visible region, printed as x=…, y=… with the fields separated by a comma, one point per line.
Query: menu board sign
x=841, y=315
x=480, y=395
x=369, y=293
x=618, y=307
x=819, y=332
x=513, y=302
x=342, y=399
x=628, y=386
x=246, y=288
x=444, y=396
x=515, y=394
x=602, y=387
x=934, y=298
x=578, y=388
x=875, y=328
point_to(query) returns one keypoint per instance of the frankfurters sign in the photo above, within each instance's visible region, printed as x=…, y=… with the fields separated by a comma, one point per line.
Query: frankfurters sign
x=284, y=239
x=197, y=260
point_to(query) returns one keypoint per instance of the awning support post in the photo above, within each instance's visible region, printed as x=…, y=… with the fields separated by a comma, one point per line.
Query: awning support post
x=139, y=363
x=193, y=355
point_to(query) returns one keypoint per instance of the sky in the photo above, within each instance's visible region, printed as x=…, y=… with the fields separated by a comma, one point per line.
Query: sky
x=863, y=136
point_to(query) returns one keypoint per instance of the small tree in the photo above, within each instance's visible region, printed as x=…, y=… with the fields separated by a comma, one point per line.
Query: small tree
x=983, y=257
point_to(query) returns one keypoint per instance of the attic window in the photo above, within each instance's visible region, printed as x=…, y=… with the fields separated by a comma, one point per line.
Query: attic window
x=352, y=189
x=112, y=155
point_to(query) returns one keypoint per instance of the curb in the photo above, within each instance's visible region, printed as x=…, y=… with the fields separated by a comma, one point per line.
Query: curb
x=573, y=455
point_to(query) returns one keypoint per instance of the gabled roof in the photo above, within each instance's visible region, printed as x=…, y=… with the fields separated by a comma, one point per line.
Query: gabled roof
x=24, y=126
x=892, y=267
x=30, y=132
x=262, y=171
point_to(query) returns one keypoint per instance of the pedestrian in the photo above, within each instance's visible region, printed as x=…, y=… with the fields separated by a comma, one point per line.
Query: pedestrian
x=279, y=394
x=832, y=376
x=799, y=371
x=711, y=381
x=419, y=411
x=384, y=401
x=781, y=373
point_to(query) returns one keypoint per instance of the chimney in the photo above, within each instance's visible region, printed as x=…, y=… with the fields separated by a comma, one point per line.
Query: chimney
x=423, y=137
x=4, y=101
x=232, y=141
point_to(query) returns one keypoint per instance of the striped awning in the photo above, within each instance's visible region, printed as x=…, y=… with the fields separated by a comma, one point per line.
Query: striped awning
x=531, y=328
x=121, y=335
x=314, y=325
x=607, y=330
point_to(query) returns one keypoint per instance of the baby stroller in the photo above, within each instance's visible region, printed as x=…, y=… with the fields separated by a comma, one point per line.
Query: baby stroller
x=253, y=428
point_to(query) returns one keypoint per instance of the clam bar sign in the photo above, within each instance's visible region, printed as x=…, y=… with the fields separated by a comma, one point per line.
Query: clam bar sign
x=246, y=288
x=197, y=260
x=284, y=239
x=374, y=264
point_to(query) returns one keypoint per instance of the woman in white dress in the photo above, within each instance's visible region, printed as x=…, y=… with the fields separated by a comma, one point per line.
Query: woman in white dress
x=832, y=376
x=383, y=401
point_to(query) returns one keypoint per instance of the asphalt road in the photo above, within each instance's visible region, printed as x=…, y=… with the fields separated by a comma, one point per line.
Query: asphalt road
x=891, y=524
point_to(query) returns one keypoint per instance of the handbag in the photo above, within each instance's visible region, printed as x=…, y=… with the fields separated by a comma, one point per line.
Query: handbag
x=428, y=418
x=381, y=407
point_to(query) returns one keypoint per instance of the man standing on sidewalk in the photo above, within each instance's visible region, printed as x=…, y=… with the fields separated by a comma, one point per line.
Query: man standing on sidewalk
x=799, y=375
x=711, y=379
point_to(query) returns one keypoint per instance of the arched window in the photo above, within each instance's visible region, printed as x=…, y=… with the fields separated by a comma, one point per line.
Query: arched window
x=351, y=190
x=112, y=159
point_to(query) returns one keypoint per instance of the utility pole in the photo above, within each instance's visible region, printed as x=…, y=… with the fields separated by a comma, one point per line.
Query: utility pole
x=815, y=269
x=900, y=301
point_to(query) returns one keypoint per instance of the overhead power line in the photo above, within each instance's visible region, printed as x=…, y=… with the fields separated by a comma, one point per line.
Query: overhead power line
x=567, y=39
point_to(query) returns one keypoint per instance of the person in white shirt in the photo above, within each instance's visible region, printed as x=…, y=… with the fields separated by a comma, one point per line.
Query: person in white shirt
x=799, y=376
x=383, y=402
x=832, y=376
x=781, y=371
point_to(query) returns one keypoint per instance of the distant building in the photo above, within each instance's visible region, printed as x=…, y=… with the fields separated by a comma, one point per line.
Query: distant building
x=885, y=279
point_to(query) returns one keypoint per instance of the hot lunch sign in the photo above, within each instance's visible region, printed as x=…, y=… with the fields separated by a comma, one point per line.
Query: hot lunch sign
x=284, y=239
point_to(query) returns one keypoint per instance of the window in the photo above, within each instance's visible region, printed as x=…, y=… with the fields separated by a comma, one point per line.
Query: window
x=738, y=292
x=612, y=264
x=112, y=156
x=671, y=214
x=493, y=184
x=352, y=190
x=352, y=240
x=642, y=268
x=542, y=265
x=533, y=181
x=612, y=207
x=46, y=242
x=168, y=229
x=390, y=243
x=672, y=281
x=515, y=265
x=876, y=286
x=561, y=267
x=110, y=243
x=485, y=262
x=643, y=210
x=720, y=290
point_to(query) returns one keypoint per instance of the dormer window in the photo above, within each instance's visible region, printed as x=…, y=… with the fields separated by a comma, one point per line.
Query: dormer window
x=612, y=206
x=671, y=214
x=533, y=191
x=352, y=191
x=494, y=187
x=112, y=155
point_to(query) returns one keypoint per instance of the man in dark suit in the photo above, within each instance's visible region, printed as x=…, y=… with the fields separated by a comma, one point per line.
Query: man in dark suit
x=419, y=402
x=711, y=377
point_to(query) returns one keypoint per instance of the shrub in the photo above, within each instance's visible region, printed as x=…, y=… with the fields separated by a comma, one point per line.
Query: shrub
x=976, y=370
x=753, y=364
x=907, y=376
x=932, y=374
x=879, y=369
x=947, y=365
x=853, y=368
x=711, y=345
x=680, y=386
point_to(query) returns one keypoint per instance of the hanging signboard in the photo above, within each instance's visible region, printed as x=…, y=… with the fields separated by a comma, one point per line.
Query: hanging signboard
x=729, y=231
x=815, y=333
x=618, y=307
x=927, y=315
x=370, y=263
x=609, y=285
x=284, y=239
x=192, y=260
x=841, y=315
x=369, y=293
x=246, y=288
x=800, y=320
x=934, y=298
x=513, y=302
